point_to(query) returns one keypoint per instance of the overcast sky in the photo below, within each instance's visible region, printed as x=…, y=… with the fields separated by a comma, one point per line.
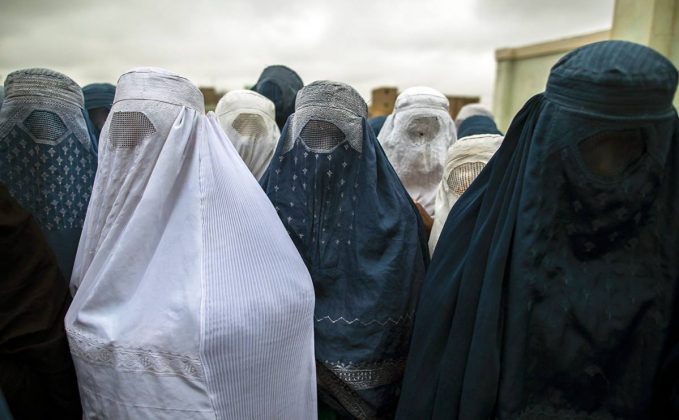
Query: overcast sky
x=446, y=44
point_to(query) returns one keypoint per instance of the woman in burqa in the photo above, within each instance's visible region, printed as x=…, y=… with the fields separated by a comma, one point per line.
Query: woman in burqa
x=280, y=84
x=36, y=372
x=191, y=300
x=555, y=295
x=415, y=138
x=47, y=157
x=475, y=119
x=98, y=102
x=248, y=119
x=362, y=241
x=466, y=158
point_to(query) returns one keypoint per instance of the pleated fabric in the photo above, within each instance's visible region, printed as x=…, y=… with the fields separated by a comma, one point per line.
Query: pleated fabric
x=47, y=158
x=556, y=295
x=191, y=300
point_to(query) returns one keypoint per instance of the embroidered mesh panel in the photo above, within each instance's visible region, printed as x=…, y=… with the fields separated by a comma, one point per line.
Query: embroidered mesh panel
x=321, y=135
x=45, y=125
x=346, y=115
x=462, y=176
x=423, y=129
x=128, y=129
x=251, y=125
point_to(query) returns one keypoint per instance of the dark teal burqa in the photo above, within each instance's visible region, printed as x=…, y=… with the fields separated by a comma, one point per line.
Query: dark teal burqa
x=553, y=290
x=280, y=84
x=362, y=240
x=376, y=123
x=477, y=124
x=99, y=95
x=47, y=156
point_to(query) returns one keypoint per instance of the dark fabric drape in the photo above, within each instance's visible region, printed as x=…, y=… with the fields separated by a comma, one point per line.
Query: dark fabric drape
x=552, y=292
x=36, y=371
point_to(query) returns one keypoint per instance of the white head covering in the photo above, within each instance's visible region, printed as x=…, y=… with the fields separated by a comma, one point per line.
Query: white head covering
x=249, y=120
x=472, y=110
x=192, y=300
x=466, y=158
x=415, y=138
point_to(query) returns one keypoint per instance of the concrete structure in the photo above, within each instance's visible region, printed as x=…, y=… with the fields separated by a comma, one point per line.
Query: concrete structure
x=384, y=99
x=457, y=102
x=211, y=97
x=522, y=72
x=382, y=102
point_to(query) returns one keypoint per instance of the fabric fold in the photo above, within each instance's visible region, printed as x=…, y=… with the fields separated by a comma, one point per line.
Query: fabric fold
x=189, y=295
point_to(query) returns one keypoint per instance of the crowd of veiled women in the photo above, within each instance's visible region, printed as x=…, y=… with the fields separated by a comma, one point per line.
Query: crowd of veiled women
x=286, y=258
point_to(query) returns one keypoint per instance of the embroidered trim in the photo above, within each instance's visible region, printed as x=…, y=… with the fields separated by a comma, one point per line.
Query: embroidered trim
x=131, y=359
x=340, y=393
x=544, y=412
x=372, y=321
x=368, y=376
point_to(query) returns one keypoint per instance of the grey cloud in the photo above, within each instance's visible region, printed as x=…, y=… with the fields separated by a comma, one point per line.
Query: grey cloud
x=448, y=45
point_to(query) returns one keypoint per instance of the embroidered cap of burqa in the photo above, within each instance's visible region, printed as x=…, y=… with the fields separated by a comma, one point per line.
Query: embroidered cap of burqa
x=556, y=293
x=46, y=156
x=280, y=84
x=360, y=236
x=192, y=301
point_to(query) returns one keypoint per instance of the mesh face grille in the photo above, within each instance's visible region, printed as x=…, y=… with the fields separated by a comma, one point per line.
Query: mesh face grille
x=45, y=125
x=610, y=153
x=463, y=175
x=128, y=129
x=423, y=129
x=249, y=125
x=321, y=135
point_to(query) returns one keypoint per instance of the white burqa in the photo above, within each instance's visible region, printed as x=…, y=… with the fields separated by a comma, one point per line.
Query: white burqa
x=466, y=158
x=415, y=138
x=249, y=120
x=191, y=300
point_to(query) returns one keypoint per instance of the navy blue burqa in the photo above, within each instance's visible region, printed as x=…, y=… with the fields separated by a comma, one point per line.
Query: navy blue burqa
x=98, y=102
x=280, y=84
x=553, y=290
x=99, y=95
x=477, y=124
x=361, y=238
